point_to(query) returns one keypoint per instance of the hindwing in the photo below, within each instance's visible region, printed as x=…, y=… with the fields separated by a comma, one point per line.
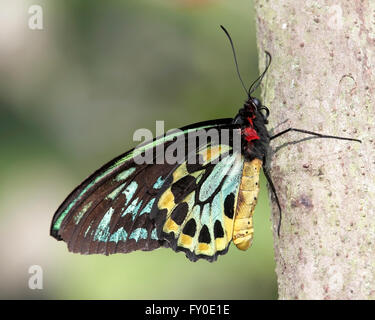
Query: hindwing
x=196, y=212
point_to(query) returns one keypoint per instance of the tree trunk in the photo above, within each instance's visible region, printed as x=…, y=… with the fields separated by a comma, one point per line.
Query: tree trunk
x=322, y=79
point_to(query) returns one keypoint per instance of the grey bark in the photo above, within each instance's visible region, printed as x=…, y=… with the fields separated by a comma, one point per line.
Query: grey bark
x=322, y=78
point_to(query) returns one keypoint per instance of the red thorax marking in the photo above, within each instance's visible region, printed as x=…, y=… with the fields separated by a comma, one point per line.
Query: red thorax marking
x=249, y=132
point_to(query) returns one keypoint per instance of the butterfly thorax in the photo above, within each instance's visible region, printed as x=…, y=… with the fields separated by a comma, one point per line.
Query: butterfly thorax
x=254, y=135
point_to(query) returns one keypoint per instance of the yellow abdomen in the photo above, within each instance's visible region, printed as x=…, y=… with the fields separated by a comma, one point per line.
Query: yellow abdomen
x=247, y=200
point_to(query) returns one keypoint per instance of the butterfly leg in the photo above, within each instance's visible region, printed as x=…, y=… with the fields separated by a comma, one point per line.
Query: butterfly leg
x=268, y=177
x=266, y=173
x=312, y=133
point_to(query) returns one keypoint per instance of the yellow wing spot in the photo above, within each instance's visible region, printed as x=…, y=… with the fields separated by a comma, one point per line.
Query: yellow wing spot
x=166, y=201
x=220, y=243
x=228, y=226
x=203, y=248
x=170, y=226
x=185, y=241
x=180, y=172
x=199, y=176
x=211, y=153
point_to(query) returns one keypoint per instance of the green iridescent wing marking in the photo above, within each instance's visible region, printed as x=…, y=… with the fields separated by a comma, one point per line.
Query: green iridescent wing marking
x=110, y=211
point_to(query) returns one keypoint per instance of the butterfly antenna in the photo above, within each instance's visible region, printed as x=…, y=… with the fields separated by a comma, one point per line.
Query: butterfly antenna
x=235, y=58
x=258, y=81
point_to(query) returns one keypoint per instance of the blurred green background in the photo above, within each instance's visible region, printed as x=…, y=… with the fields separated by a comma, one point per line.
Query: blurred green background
x=71, y=97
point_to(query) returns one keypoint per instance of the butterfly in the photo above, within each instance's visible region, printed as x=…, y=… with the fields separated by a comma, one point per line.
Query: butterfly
x=198, y=204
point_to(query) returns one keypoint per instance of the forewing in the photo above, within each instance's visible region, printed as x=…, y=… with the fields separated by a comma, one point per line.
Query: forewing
x=110, y=211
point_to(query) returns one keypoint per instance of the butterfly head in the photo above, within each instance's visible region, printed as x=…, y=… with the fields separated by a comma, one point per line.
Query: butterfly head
x=255, y=109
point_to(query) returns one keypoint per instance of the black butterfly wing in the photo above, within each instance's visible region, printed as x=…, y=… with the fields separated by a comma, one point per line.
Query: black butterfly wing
x=110, y=211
